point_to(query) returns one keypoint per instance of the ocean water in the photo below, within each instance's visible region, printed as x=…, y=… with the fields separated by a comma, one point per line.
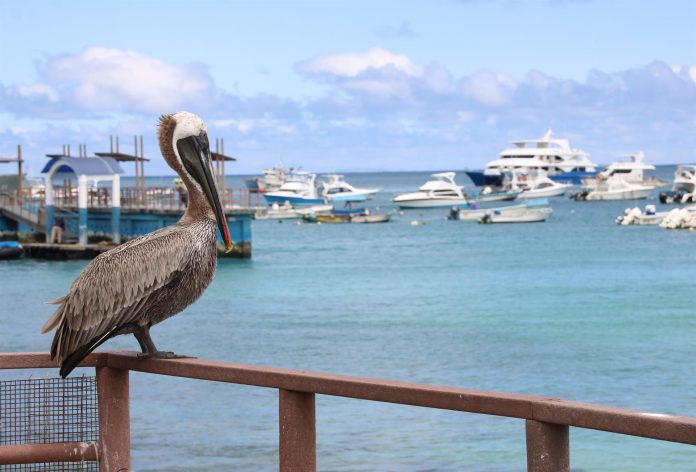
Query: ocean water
x=577, y=308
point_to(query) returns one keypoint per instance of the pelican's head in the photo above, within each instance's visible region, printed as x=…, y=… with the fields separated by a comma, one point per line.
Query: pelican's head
x=183, y=139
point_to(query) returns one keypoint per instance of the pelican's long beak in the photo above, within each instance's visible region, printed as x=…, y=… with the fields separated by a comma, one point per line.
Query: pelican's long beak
x=195, y=154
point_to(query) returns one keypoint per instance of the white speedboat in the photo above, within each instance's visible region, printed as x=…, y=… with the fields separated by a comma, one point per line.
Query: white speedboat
x=554, y=156
x=337, y=189
x=440, y=191
x=534, y=214
x=475, y=213
x=615, y=188
x=534, y=183
x=298, y=189
x=684, y=186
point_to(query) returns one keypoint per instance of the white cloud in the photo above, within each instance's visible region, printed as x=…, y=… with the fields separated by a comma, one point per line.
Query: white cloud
x=102, y=79
x=488, y=88
x=686, y=71
x=354, y=64
x=38, y=90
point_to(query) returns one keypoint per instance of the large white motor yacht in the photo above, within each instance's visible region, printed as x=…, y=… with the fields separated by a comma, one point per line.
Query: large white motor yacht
x=337, y=189
x=684, y=186
x=440, y=191
x=554, y=156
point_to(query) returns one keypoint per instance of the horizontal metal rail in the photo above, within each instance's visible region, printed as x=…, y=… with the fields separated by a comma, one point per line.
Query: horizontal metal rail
x=547, y=423
x=52, y=452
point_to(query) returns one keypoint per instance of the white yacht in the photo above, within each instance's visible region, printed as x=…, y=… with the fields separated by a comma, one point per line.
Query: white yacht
x=337, y=189
x=534, y=183
x=615, y=188
x=439, y=191
x=554, y=156
x=298, y=189
x=272, y=179
x=632, y=171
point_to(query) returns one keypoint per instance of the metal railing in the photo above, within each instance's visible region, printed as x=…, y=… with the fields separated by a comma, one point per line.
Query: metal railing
x=547, y=419
x=154, y=198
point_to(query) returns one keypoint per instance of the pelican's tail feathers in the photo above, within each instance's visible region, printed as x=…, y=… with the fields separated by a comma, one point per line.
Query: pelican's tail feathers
x=74, y=359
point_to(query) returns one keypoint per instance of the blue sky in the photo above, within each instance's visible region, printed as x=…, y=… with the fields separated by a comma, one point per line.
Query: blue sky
x=353, y=85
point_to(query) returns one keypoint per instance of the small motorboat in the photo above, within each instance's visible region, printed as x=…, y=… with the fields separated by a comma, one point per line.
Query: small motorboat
x=440, y=191
x=536, y=212
x=330, y=219
x=529, y=216
x=10, y=250
x=475, y=212
x=368, y=219
x=336, y=189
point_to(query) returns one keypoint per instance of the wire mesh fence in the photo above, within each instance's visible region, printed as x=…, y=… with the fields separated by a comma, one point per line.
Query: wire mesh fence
x=35, y=411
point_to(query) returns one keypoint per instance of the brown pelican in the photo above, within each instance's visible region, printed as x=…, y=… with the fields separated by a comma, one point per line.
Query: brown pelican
x=148, y=279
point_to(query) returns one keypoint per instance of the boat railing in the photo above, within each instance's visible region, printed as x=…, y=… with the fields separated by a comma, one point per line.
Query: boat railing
x=547, y=420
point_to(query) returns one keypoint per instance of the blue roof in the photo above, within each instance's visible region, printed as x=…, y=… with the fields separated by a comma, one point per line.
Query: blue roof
x=84, y=165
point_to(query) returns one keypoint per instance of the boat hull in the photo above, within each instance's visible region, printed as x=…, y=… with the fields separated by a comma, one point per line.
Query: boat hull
x=574, y=178
x=293, y=200
x=496, y=196
x=545, y=193
x=431, y=203
x=370, y=219
x=636, y=194
x=536, y=215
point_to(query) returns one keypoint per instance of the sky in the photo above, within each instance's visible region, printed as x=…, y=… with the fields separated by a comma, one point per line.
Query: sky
x=351, y=85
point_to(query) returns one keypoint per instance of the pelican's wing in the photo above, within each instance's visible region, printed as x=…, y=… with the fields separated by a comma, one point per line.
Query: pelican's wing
x=115, y=286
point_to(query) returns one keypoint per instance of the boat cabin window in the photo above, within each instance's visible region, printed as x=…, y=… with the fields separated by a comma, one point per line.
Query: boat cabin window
x=445, y=193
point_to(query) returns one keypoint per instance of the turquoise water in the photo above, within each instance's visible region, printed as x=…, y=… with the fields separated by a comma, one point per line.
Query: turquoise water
x=577, y=308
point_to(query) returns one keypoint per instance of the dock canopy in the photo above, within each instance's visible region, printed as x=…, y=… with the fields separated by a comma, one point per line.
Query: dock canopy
x=216, y=156
x=121, y=157
x=90, y=166
x=85, y=168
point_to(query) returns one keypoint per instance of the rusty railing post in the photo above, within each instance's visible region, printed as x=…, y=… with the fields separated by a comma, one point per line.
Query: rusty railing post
x=548, y=448
x=114, y=420
x=298, y=438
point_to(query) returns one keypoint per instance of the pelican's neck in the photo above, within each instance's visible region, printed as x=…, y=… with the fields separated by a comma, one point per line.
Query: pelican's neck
x=198, y=206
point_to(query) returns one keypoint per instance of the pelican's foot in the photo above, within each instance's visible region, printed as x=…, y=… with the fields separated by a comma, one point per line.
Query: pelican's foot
x=162, y=355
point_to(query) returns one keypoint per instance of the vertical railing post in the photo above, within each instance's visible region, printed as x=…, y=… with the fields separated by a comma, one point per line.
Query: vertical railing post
x=298, y=438
x=114, y=420
x=548, y=448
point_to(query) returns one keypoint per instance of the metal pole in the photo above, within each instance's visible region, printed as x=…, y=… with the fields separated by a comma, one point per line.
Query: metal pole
x=548, y=447
x=19, y=174
x=142, y=169
x=114, y=419
x=298, y=437
x=222, y=147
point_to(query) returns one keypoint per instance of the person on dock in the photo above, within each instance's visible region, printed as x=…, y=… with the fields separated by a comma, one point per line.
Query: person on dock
x=57, y=231
x=183, y=194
